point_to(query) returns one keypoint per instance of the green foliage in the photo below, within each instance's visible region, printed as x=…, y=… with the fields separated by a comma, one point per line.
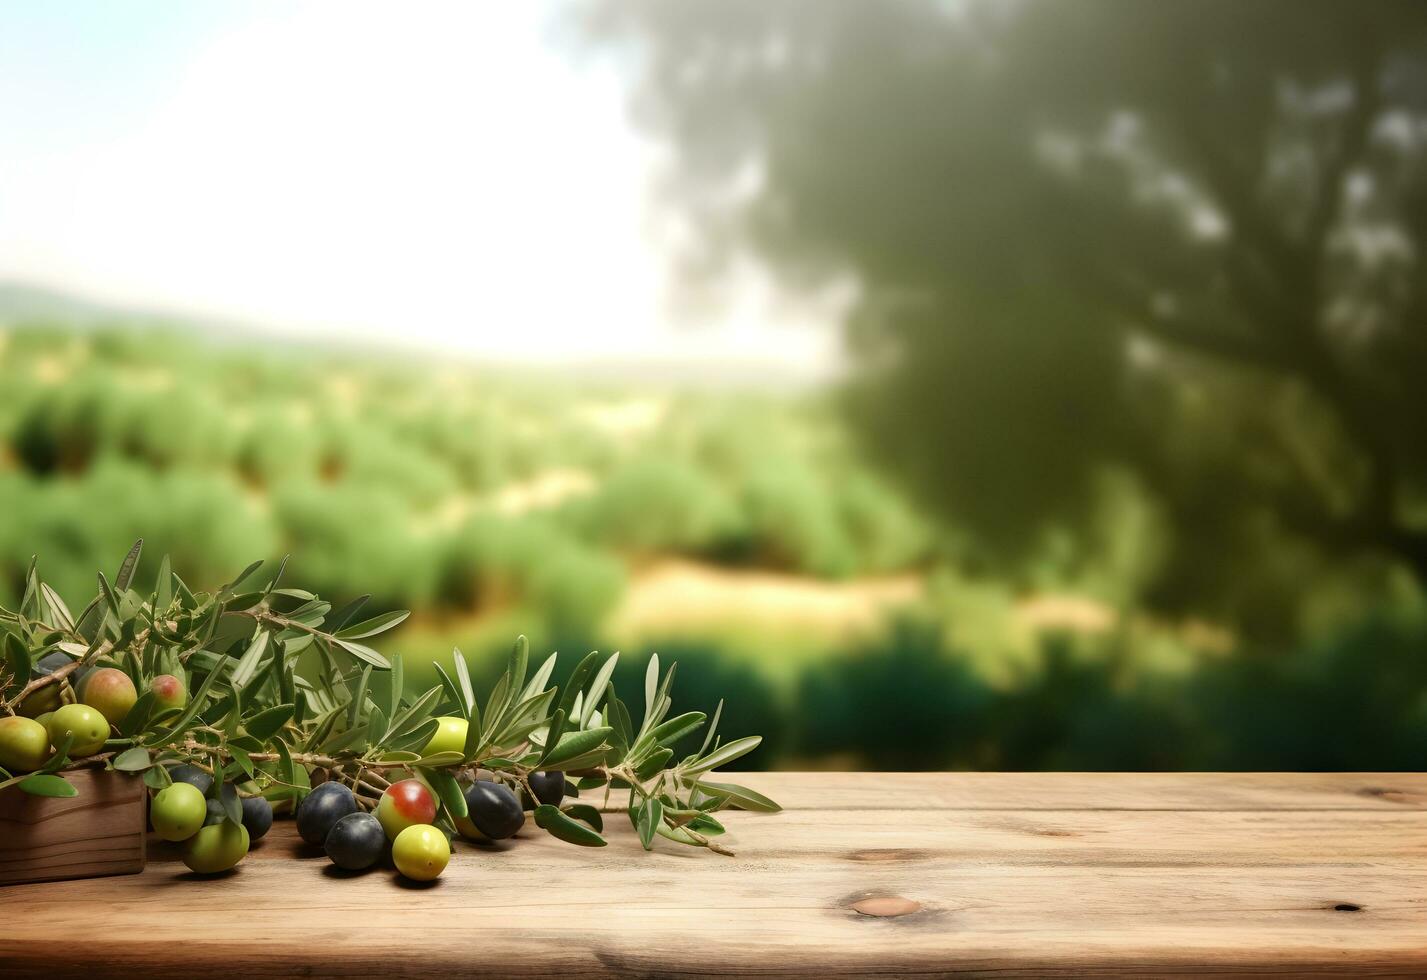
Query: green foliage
x=282, y=690
x=1091, y=705
x=749, y=481
x=493, y=560
x=1127, y=243
x=112, y=434
x=708, y=678
x=941, y=704
x=657, y=505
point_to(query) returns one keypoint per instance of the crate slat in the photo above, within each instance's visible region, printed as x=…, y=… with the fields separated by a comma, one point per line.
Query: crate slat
x=99, y=832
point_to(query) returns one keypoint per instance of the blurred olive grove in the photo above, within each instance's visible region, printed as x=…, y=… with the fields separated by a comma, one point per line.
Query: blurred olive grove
x=1127, y=470
x=1140, y=306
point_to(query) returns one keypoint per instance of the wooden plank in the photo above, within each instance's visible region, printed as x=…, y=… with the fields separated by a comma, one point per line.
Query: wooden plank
x=1107, y=873
x=99, y=832
x=1099, y=790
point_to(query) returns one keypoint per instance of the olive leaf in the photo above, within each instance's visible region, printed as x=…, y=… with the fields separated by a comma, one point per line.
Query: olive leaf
x=575, y=685
x=135, y=759
x=61, y=754
x=156, y=778
x=226, y=591
x=414, y=737
x=655, y=762
x=463, y=676
x=541, y=677
x=336, y=621
x=373, y=626
x=585, y=812
x=678, y=835
x=58, y=609
x=446, y=788
x=519, y=658
x=108, y=593
x=46, y=784
x=557, y=824
x=125, y=577
x=248, y=663
x=362, y=652
x=597, y=689
x=269, y=721
x=725, y=754
x=676, y=728
x=241, y=757
x=651, y=814
x=232, y=806
x=705, y=824
x=163, y=585
x=713, y=728
x=17, y=656
x=739, y=796
x=454, y=691
x=359, y=696
x=573, y=745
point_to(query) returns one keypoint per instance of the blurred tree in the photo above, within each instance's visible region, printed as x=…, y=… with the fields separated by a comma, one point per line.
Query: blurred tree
x=1179, y=243
x=899, y=702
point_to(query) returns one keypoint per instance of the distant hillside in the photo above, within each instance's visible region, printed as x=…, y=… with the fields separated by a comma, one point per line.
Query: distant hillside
x=22, y=302
x=25, y=302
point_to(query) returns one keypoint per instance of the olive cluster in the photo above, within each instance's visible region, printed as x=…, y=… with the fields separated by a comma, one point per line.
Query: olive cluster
x=82, y=707
x=201, y=695
x=196, y=812
x=403, y=827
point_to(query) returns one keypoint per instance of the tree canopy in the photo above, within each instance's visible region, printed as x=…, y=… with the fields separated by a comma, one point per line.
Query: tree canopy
x=1170, y=247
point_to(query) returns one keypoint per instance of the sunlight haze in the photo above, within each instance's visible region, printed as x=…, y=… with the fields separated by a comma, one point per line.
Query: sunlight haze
x=445, y=177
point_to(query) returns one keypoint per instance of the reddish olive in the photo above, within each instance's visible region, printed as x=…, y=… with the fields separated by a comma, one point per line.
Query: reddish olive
x=169, y=692
x=405, y=804
x=111, y=692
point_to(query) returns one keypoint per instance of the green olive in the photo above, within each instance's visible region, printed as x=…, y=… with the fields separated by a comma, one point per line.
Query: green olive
x=450, y=736
x=24, y=744
x=88, y=725
x=216, y=848
x=177, y=811
x=420, y=852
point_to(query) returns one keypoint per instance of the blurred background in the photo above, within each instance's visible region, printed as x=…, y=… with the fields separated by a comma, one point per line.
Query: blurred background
x=1014, y=385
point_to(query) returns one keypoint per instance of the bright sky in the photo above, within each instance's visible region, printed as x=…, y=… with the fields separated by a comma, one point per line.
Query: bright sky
x=434, y=174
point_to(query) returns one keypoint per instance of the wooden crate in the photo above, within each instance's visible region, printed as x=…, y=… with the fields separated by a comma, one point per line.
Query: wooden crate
x=99, y=832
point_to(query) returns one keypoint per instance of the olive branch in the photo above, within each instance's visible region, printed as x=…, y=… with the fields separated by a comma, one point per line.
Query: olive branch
x=284, y=694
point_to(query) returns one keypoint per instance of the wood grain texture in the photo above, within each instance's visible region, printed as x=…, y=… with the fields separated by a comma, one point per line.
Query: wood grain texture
x=1005, y=874
x=99, y=832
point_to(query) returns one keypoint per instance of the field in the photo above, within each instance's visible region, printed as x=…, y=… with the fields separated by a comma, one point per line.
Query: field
x=489, y=503
x=735, y=530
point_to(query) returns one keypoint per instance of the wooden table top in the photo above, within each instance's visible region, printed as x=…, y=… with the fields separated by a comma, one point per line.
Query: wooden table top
x=1063, y=873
